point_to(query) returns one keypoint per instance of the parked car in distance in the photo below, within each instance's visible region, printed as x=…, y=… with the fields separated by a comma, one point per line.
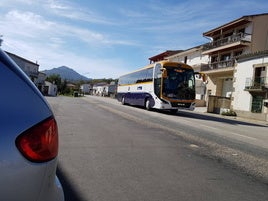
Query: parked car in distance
x=28, y=139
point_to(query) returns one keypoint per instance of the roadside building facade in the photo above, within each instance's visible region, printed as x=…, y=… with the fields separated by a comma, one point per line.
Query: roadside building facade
x=250, y=89
x=246, y=35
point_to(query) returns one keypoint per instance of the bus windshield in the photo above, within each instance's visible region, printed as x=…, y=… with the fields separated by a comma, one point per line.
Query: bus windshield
x=179, y=84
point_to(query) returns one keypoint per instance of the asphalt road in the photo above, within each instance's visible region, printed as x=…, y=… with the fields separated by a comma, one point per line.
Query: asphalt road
x=114, y=152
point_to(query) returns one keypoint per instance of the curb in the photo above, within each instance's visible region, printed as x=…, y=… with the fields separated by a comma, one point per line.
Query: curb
x=203, y=111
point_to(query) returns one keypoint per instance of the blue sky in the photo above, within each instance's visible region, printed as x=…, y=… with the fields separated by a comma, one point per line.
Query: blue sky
x=104, y=39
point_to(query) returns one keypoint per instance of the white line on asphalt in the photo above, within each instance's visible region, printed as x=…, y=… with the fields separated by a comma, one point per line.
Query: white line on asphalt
x=230, y=133
x=210, y=127
x=252, y=138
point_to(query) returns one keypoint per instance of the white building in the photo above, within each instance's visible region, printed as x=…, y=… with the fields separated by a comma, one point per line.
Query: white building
x=50, y=89
x=100, y=89
x=242, y=36
x=85, y=88
x=251, y=86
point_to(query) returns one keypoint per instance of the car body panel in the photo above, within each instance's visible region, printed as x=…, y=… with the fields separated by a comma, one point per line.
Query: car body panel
x=22, y=106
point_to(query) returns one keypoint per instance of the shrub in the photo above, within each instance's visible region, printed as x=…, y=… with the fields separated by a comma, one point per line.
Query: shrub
x=229, y=113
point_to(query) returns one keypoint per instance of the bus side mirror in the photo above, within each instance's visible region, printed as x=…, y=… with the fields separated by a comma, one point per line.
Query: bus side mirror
x=202, y=76
x=164, y=72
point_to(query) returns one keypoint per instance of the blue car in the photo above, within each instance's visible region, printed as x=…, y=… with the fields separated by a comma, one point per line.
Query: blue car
x=28, y=139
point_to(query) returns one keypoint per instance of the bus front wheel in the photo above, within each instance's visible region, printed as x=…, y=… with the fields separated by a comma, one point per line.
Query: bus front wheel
x=147, y=105
x=123, y=101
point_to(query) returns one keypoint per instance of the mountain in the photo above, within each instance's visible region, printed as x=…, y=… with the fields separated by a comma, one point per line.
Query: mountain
x=66, y=73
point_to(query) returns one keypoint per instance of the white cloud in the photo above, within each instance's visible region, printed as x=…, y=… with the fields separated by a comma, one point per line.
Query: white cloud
x=29, y=20
x=33, y=37
x=12, y=3
x=53, y=4
x=71, y=10
x=51, y=57
x=29, y=24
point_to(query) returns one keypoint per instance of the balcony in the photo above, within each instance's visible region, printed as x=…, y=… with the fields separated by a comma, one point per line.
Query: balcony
x=258, y=84
x=220, y=65
x=227, y=42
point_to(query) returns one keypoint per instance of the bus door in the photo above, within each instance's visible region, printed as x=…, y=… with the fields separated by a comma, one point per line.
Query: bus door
x=157, y=80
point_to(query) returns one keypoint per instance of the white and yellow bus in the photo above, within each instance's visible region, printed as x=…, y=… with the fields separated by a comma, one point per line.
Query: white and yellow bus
x=163, y=85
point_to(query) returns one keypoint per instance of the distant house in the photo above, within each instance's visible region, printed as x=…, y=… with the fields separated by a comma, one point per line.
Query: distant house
x=104, y=89
x=50, y=89
x=100, y=89
x=85, y=88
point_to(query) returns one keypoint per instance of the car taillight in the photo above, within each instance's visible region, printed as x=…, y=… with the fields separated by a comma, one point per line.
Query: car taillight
x=40, y=142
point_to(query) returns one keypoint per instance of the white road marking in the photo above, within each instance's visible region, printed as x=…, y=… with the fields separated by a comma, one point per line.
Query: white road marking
x=252, y=138
x=230, y=133
x=210, y=127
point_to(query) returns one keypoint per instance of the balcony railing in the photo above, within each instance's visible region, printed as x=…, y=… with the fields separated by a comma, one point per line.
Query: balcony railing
x=258, y=83
x=228, y=40
x=218, y=65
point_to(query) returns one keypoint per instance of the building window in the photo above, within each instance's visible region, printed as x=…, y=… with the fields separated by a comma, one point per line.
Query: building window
x=259, y=77
x=256, y=106
x=260, y=72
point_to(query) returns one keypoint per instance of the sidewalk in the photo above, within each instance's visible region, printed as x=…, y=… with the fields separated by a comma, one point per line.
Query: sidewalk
x=200, y=109
x=203, y=110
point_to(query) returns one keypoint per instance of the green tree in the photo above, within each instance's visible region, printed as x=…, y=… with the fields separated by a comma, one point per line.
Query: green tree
x=55, y=79
x=63, y=88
